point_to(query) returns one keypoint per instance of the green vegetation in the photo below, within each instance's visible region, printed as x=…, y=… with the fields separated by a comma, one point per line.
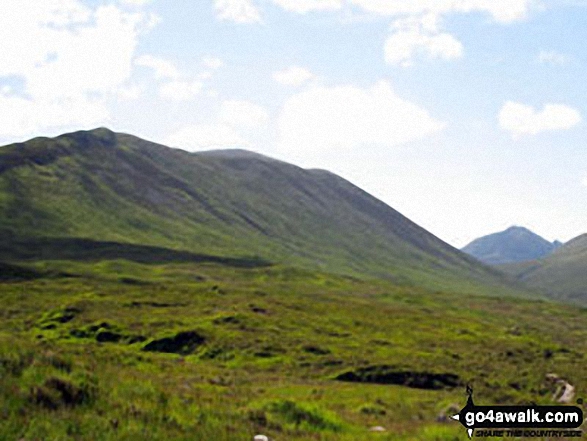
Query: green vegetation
x=118, y=350
x=561, y=275
x=91, y=194
x=148, y=293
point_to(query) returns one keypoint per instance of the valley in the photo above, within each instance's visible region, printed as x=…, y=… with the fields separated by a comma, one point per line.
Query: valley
x=149, y=293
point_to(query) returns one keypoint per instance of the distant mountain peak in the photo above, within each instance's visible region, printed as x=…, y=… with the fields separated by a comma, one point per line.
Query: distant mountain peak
x=100, y=133
x=516, y=229
x=515, y=244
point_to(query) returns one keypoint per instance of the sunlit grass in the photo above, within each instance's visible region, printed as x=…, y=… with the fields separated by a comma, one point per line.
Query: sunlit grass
x=274, y=340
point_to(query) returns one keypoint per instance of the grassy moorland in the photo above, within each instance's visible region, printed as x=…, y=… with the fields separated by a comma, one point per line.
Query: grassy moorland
x=119, y=350
x=152, y=294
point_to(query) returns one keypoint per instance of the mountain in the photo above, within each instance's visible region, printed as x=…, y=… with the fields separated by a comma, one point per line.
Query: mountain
x=516, y=244
x=91, y=194
x=562, y=275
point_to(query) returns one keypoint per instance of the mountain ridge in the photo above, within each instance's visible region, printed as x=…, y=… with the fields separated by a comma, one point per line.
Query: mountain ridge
x=103, y=186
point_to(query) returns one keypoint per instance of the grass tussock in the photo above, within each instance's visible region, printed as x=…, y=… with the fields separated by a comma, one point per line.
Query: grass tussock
x=236, y=352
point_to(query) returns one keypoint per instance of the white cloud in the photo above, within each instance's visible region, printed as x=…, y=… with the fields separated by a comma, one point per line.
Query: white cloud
x=520, y=119
x=130, y=92
x=233, y=126
x=584, y=182
x=136, y=2
x=238, y=11
x=212, y=63
x=91, y=59
x=293, y=76
x=206, y=137
x=21, y=117
x=180, y=90
x=162, y=68
x=205, y=75
x=178, y=86
x=420, y=35
x=303, y=6
x=504, y=11
x=410, y=36
x=70, y=59
x=243, y=115
x=553, y=57
x=346, y=117
x=416, y=29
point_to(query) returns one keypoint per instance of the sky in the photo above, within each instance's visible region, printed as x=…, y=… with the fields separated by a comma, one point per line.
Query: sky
x=467, y=116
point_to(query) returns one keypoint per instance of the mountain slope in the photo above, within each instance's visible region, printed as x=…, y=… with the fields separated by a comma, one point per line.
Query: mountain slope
x=109, y=187
x=516, y=244
x=562, y=274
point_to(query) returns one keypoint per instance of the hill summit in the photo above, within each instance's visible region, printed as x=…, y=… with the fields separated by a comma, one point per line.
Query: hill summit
x=108, y=188
x=516, y=244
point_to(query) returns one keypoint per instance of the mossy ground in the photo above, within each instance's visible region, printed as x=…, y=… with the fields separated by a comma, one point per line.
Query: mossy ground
x=270, y=343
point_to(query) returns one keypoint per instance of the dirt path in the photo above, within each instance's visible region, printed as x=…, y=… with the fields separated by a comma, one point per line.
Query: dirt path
x=565, y=391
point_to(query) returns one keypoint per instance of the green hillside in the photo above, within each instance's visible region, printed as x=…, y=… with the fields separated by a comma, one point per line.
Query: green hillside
x=149, y=293
x=87, y=191
x=562, y=275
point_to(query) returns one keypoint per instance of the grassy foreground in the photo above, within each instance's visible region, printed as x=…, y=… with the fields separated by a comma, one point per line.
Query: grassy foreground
x=115, y=350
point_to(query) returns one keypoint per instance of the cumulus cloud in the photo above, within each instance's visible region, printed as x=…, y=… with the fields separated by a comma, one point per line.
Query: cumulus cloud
x=410, y=35
x=246, y=11
x=180, y=90
x=347, y=117
x=23, y=117
x=178, y=86
x=233, y=126
x=130, y=92
x=417, y=31
x=505, y=11
x=293, y=76
x=520, y=119
x=237, y=11
x=303, y=6
x=162, y=68
x=420, y=35
x=69, y=58
x=136, y=2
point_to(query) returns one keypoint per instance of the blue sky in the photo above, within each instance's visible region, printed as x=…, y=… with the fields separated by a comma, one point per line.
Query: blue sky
x=468, y=116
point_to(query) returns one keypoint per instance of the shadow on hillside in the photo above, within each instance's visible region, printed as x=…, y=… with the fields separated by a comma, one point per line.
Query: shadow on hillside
x=15, y=273
x=90, y=250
